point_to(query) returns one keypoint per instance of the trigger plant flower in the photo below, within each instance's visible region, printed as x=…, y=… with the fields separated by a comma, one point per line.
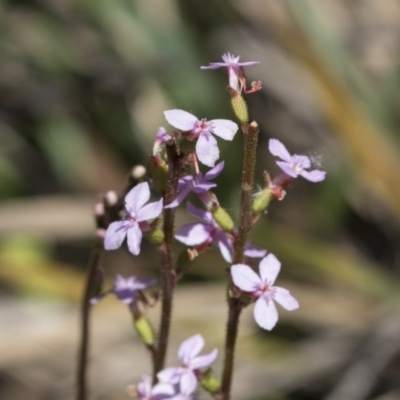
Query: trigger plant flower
x=295, y=165
x=203, y=234
x=207, y=150
x=199, y=184
x=261, y=289
x=137, y=215
x=186, y=375
x=235, y=69
x=125, y=289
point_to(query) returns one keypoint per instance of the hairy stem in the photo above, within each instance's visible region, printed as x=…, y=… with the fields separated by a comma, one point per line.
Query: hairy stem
x=94, y=263
x=167, y=272
x=234, y=305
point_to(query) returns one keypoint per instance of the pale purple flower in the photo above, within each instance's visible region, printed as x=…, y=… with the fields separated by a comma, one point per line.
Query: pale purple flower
x=125, y=289
x=198, y=184
x=206, y=147
x=192, y=362
x=235, y=68
x=161, y=137
x=260, y=287
x=295, y=165
x=134, y=222
x=206, y=232
x=160, y=391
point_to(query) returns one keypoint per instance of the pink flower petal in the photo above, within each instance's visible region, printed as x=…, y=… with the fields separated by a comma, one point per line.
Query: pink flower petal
x=287, y=169
x=214, y=172
x=313, y=176
x=254, y=251
x=134, y=239
x=115, y=235
x=302, y=161
x=204, y=215
x=245, y=278
x=207, y=149
x=265, y=313
x=193, y=234
x=269, y=269
x=204, y=361
x=150, y=211
x=224, y=245
x=190, y=348
x=224, y=128
x=181, y=119
x=276, y=148
x=181, y=196
x=285, y=299
x=188, y=382
x=170, y=375
x=137, y=197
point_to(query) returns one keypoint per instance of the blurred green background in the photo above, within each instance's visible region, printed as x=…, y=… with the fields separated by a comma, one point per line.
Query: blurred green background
x=83, y=85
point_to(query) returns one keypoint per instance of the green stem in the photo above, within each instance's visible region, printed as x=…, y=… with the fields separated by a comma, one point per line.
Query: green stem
x=167, y=272
x=235, y=306
x=84, y=339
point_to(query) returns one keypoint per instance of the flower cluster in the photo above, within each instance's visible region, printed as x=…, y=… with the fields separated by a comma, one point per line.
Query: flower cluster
x=175, y=172
x=179, y=383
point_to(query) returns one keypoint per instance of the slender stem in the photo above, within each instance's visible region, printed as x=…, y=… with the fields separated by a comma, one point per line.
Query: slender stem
x=235, y=306
x=85, y=315
x=167, y=272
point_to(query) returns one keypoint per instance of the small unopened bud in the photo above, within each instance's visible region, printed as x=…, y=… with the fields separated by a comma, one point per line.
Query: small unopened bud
x=210, y=382
x=144, y=329
x=223, y=219
x=138, y=172
x=98, y=209
x=155, y=235
x=111, y=198
x=158, y=170
x=261, y=201
x=239, y=106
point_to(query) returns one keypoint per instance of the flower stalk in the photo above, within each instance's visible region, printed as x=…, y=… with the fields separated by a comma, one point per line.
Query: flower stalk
x=250, y=132
x=167, y=271
x=90, y=286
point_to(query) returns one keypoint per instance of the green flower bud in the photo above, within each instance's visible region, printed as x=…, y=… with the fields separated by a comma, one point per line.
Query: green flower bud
x=223, y=219
x=261, y=201
x=158, y=170
x=209, y=382
x=144, y=329
x=156, y=236
x=239, y=106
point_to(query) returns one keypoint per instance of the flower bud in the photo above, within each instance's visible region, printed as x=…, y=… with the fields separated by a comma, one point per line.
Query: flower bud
x=158, y=171
x=223, y=219
x=155, y=235
x=144, y=329
x=111, y=198
x=261, y=201
x=138, y=172
x=239, y=106
x=98, y=209
x=209, y=382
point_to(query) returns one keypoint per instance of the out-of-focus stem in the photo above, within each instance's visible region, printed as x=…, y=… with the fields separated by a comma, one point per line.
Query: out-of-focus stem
x=235, y=306
x=94, y=263
x=167, y=272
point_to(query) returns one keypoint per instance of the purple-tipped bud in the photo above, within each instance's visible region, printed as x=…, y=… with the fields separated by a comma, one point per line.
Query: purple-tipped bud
x=111, y=198
x=98, y=209
x=138, y=172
